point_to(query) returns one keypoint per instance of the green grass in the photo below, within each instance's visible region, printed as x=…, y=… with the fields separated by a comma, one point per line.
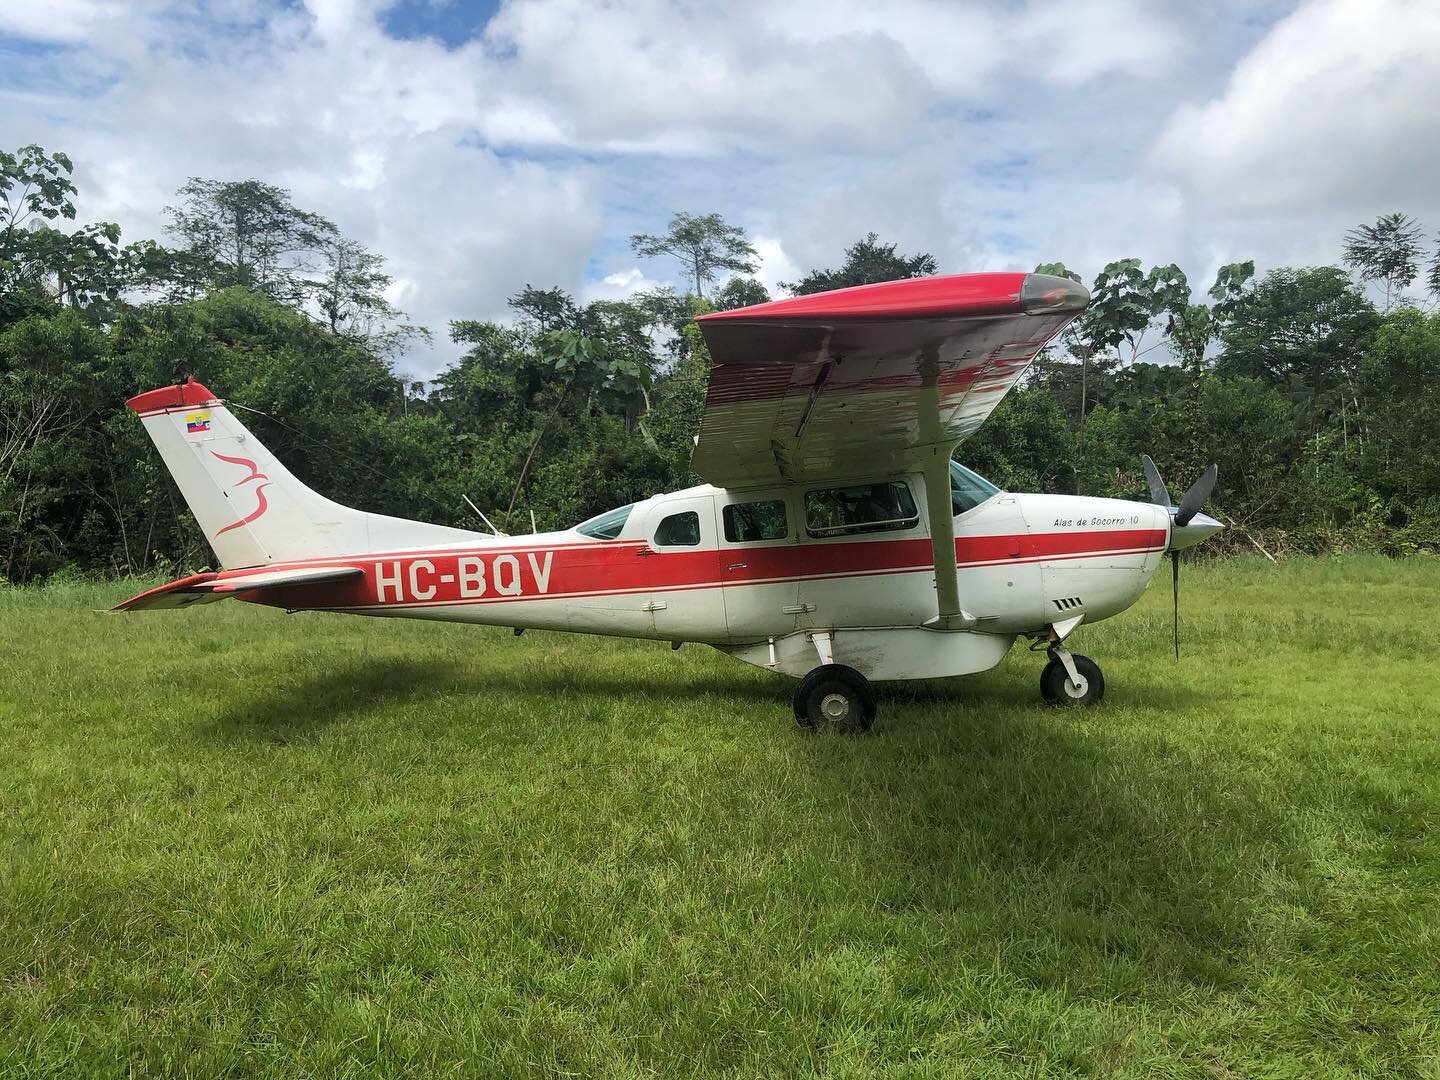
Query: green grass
x=236, y=842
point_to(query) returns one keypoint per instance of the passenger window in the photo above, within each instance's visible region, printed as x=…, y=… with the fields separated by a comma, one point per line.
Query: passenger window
x=866, y=508
x=679, y=530
x=748, y=522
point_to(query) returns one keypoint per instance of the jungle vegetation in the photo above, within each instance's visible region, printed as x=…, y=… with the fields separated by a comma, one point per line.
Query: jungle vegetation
x=1316, y=389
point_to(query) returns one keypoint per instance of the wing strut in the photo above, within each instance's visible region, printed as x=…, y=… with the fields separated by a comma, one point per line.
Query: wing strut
x=936, y=464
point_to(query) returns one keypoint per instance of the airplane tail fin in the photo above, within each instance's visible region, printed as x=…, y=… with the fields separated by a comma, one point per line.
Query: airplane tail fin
x=252, y=509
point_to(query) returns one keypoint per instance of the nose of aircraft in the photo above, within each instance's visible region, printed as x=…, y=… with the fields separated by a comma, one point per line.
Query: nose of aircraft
x=1200, y=527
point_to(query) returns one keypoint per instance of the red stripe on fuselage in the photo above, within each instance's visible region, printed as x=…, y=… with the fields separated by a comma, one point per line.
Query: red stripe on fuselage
x=438, y=578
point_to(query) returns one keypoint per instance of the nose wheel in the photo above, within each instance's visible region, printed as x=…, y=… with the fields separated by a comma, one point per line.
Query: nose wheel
x=836, y=698
x=1070, y=679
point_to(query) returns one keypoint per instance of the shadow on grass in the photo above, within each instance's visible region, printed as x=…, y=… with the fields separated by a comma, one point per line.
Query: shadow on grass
x=280, y=713
x=284, y=712
x=1003, y=690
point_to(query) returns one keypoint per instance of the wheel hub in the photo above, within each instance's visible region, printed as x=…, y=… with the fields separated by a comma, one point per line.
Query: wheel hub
x=1077, y=690
x=835, y=706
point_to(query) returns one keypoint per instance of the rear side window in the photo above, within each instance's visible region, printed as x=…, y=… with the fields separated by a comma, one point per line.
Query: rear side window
x=679, y=530
x=861, y=509
x=748, y=522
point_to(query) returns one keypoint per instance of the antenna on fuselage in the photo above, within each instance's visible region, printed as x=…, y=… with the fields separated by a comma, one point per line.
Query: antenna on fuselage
x=533, y=529
x=483, y=518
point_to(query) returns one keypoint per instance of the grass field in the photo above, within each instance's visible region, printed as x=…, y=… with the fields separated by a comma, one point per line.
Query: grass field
x=236, y=842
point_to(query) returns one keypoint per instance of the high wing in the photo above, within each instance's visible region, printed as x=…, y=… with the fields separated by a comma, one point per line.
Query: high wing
x=209, y=587
x=867, y=380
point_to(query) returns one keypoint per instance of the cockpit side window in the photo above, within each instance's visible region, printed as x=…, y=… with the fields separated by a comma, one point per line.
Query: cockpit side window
x=606, y=526
x=968, y=489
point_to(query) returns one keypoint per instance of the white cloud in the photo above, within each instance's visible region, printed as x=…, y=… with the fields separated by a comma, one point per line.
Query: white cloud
x=963, y=48
x=620, y=285
x=775, y=266
x=992, y=134
x=59, y=20
x=650, y=76
x=1335, y=108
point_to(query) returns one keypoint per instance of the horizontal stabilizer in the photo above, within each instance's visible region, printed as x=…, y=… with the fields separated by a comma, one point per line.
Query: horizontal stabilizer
x=194, y=589
x=272, y=578
x=207, y=588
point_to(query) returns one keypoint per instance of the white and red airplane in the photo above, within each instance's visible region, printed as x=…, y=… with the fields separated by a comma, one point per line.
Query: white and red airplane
x=836, y=540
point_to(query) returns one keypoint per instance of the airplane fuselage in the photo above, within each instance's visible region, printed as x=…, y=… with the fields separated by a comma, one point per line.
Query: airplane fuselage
x=1024, y=562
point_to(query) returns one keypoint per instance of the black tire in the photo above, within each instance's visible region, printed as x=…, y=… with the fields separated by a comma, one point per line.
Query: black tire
x=1057, y=689
x=837, y=698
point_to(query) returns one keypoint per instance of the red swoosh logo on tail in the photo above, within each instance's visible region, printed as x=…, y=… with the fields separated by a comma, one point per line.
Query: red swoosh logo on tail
x=260, y=508
x=255, y=473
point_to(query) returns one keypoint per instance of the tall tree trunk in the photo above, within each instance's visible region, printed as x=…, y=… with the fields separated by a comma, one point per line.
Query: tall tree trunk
x=525, y=468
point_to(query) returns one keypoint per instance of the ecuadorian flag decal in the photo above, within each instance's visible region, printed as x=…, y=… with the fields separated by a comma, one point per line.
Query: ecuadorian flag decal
x=196, y=422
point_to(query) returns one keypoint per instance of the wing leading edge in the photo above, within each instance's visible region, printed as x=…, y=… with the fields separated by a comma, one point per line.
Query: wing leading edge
x=860, y=381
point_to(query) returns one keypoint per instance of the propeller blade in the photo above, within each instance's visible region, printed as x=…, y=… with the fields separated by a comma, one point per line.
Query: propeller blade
x=1193, y=499
x=1175, y=591
x=1159, y=494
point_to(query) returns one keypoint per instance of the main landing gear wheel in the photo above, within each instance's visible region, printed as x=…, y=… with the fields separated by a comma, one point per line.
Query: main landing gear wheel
x=837, y=698
x=1058, y=688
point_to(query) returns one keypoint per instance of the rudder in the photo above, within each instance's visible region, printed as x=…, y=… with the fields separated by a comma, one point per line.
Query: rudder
x=251, y=508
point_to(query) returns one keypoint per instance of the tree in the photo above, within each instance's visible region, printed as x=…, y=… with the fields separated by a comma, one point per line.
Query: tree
x=48, y=391
x=1432, y=279
x=1194, y=327
x=247, y=233
x=1023, y=444
x=40, y=263
x=704, y=244
x=35, y=187
x=1299, y=330
x=1400, y=374
x=592, y=365
x=1125, y=303
x=740, y=292
x=867, y=261
x=545, y=309
x=1387, y=251
x=1304, y=332
x=33, y=184
x=350, y=296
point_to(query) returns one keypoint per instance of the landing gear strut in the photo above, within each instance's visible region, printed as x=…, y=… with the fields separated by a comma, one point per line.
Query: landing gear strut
x=1070, y=679
x=837, y=698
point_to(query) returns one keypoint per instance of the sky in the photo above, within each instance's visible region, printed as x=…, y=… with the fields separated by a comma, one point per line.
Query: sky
x=483, y=146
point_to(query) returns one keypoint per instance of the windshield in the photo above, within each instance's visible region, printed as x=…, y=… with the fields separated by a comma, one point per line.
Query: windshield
x=968, y=489
x=606, y=526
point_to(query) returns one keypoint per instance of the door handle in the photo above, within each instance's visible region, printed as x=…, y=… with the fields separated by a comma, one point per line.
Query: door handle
x=643, y=551
x=737, y=566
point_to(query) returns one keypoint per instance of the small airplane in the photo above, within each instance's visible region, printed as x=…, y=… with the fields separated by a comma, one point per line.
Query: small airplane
x=836, y=540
